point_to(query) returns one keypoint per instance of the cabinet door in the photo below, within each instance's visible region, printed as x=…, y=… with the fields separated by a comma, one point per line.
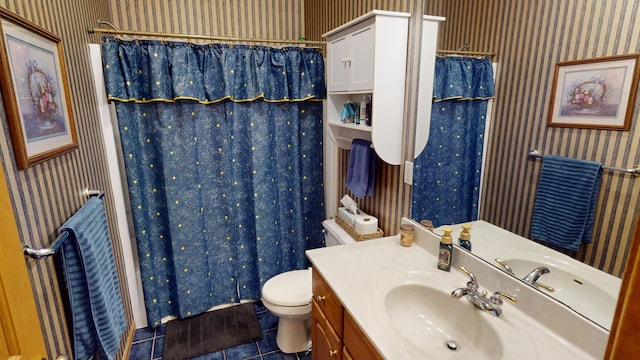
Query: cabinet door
x=355, y=341
x=327, y=302
x=326, y=343
x=362, y=59
x=339, y=63
x=346, y=355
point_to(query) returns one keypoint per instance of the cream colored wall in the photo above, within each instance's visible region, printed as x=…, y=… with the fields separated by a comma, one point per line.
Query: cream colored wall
x=529, y=38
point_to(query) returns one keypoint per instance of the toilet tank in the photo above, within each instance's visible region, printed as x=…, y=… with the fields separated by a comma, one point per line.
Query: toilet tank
x=335, y=235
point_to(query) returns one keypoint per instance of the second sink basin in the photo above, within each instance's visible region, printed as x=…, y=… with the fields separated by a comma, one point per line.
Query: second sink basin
x=573, y=289
x=439, y=326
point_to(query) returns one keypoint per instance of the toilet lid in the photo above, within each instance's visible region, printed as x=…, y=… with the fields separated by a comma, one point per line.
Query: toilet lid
x=291, y=288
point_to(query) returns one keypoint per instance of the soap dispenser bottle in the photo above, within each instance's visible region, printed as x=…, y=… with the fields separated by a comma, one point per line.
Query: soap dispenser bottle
x=445, y=254
x=465, y=237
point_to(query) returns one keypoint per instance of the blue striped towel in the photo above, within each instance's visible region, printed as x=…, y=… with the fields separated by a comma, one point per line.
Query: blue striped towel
x=361, y=171
x=565, y=203
x=92, y=283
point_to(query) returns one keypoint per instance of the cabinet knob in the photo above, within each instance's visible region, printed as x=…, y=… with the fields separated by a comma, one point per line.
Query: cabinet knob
x=321, y=298
x=333, y=353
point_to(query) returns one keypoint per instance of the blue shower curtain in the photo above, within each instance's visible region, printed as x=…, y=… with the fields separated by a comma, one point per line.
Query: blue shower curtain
x=447, y=173
x=223, y=154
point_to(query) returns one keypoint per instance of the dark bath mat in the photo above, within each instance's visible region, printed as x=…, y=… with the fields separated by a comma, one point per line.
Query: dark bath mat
x=210, y=332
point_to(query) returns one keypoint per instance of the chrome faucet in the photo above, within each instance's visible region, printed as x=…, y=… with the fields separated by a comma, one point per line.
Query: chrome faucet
x=493, y=304
x=534, y=275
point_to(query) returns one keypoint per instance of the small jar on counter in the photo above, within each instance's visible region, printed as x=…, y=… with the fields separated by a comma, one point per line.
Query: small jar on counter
x=406, y=234
x=427, y=224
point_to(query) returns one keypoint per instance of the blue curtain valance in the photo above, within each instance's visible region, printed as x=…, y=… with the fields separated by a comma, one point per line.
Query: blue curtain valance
x=463, y=78
x=148, y=70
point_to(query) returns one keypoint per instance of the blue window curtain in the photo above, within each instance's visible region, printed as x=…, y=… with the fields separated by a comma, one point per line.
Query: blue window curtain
x=223, y=154
x=447, y=173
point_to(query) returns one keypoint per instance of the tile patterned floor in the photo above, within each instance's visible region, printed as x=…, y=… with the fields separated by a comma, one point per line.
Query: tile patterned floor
x=148, y=344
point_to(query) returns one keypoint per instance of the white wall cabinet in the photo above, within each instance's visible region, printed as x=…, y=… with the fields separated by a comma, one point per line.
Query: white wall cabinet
x=427, y=74
x=368, y=57
x=351, y=59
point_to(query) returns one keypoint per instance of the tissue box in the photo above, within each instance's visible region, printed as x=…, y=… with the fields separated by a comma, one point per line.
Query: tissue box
x=347, y=216
x=354, y=234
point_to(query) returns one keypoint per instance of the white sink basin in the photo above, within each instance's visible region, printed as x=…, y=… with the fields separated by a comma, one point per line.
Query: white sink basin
x=440, y=326
x=417, y=310
x=573, y=289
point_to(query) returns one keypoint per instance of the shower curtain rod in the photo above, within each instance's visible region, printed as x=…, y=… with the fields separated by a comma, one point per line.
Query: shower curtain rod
x=200, y=37
x=464, y=52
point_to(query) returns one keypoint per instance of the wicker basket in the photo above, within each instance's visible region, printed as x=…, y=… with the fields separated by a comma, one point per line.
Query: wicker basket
x=354, y=234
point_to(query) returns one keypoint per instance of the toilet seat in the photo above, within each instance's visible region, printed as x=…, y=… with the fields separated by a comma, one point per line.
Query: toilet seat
x=291, y=288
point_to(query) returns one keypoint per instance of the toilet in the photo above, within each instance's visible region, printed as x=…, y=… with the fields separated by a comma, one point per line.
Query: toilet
x=288, y=296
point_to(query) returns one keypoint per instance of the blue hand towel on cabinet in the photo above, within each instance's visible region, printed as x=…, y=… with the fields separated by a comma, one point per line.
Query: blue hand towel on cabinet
x=92, y=283
x=362, y=165
x=565, y=203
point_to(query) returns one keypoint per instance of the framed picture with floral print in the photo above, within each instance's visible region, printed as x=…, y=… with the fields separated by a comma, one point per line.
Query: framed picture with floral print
x=595, y=93
x=35, y=91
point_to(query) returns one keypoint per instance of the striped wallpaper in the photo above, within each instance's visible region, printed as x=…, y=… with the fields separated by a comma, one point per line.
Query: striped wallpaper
x=47, y=194
x=263, y=19
x=529, y=38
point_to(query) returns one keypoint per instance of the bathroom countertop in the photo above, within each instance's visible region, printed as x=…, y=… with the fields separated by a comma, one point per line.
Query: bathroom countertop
x=358, y=272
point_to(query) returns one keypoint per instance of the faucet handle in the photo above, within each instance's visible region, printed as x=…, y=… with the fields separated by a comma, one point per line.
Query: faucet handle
x=473, y=282
x=506, y=267
x=545, y=286
x=500, y=295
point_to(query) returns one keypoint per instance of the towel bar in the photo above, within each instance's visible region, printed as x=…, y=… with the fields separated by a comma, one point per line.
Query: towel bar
x=57, y=243
x=51, y=250
x=533, y=154
x=349, y=140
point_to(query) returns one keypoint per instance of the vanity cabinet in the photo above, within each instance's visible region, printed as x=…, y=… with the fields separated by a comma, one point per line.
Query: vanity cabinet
x=367, y=58
x=356, y=344
x=326, y=343
x=326, y=321
x=334, y=334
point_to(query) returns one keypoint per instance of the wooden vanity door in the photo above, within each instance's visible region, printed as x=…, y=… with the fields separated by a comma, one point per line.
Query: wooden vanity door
x=326, y=343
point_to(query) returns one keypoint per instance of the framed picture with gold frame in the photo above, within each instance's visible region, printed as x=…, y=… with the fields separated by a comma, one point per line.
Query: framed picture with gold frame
x=35, y=91
x=595, y=93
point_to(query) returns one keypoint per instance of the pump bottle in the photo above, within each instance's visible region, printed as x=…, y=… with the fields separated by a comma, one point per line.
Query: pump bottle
x=465, y=237
x=445, y=254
